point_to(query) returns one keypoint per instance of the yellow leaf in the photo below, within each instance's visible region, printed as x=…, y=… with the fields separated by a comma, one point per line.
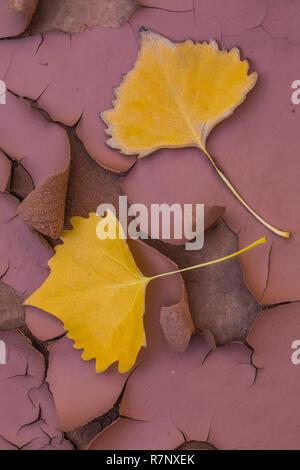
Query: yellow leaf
x=174, y=96
x=97, y=291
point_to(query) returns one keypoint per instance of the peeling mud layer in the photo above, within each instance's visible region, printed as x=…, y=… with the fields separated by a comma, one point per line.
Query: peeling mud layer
x=220, y=369
x=74, y=16
x=15, y=16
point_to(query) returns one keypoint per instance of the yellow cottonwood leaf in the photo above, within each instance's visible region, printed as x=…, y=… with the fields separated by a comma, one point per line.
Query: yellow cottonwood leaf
x=98, y=292
x=175, y=95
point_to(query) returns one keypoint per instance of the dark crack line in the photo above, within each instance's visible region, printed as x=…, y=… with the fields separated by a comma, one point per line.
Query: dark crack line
x=138, y=420
x=8, y=66
x=119, y=399
x=133, y=31
x=12, y=159
x=11, y=218
x=9, y=442
x=5, y=272
x=256, y=369
x=40, y=43
x=205, y=358
x=26, y=374
x=41, y=94
x=41, y=347
x=74, y=126
x=18, y=163
x=13, y=93
x=209, y=430
x=182, y=433
x=39, y=418
x=165, y=9
x=14, y=194
x=27, y=443
x=268, y=276
x=31, y=400
x=279, y=304
x=48, y=436
x=49, y=341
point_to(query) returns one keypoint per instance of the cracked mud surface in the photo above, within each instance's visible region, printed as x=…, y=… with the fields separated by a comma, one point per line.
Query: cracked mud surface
x=229, y=389
x=33, y=424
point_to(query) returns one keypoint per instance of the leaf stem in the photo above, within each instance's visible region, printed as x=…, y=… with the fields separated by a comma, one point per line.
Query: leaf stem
x=208, y=263
x=236, y=194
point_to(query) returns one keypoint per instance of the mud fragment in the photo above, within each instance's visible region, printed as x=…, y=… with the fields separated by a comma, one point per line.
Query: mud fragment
x=11, y=308
x=74, y=16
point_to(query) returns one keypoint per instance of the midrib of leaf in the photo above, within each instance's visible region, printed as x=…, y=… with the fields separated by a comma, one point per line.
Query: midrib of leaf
x=119, y=263
x=177, y=102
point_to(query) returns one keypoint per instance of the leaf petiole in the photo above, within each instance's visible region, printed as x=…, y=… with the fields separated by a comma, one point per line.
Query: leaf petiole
x=208, y=263
x=281, y=233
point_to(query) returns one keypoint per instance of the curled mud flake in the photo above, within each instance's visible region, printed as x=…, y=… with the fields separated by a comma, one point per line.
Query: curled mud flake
x=83, y=435
x=42, y=148
x=212, y=215
x=89, y=184
x=51, y=195
x=177, y=325
x=25, y=265
x=5, y=172
x=168, y=5
x=218, y=299
x=23, y=6
x=15, y=15
x=11, y=308
x=21, y=182
x=196, y=445
x=74, y=16
x=174, y=314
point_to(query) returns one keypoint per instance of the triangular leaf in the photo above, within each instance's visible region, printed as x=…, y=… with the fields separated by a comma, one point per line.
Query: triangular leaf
x=98, y=292
x=175, y=95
